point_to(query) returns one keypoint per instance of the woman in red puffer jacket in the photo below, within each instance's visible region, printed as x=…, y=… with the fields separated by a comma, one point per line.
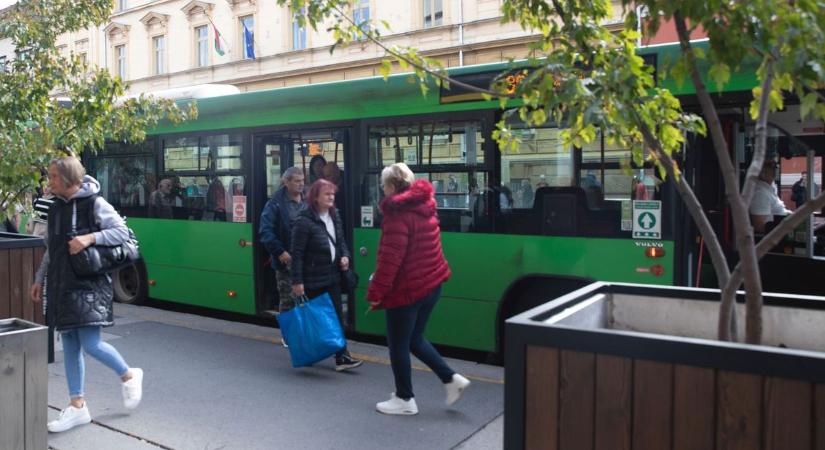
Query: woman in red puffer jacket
x=407, y=283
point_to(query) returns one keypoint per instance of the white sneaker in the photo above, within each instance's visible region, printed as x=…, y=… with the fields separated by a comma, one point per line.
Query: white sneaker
x=283, y=343
x=398, y=406
x=70, y=418
x=455, y=388
x=133, y=389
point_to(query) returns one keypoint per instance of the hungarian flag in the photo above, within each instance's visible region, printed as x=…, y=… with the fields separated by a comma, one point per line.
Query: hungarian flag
x=218, y=47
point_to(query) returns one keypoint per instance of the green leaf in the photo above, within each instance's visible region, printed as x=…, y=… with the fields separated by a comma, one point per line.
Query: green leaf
x=775, y=100
x=385, y=68
x=720, y=74
x=807, y=105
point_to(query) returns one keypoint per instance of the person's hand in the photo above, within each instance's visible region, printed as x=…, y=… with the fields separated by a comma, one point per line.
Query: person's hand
x=344, y=263
x=298, y=289
x=285, y=258
x=36, y=293
x=79, y=243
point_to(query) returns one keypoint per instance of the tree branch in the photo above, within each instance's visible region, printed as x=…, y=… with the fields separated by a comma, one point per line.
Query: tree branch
x=776, y=235
x=689, y=197
x=442, y=77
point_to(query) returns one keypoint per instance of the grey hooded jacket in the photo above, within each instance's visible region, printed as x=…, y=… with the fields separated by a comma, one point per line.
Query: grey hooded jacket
x=75, y=301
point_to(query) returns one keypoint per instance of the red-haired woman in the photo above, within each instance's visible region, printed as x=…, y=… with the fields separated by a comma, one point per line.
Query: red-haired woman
x=319, y=254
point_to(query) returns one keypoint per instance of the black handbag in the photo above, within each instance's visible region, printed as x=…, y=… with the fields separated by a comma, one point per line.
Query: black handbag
x=349, y=280
x=103, y=259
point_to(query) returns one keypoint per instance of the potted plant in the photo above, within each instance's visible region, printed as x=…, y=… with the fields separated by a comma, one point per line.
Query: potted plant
x=620, y=366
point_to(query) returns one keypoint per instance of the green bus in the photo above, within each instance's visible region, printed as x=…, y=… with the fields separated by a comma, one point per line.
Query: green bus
x=517, y=228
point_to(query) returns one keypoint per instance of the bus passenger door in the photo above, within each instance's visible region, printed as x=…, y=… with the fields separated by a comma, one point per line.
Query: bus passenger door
x=267, y=163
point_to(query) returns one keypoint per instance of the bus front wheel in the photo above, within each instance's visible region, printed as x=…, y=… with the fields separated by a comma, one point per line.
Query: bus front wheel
x=129, y=284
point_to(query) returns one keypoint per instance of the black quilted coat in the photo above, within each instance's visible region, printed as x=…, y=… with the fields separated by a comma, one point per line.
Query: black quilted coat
x=74, y=301
x=312, y=262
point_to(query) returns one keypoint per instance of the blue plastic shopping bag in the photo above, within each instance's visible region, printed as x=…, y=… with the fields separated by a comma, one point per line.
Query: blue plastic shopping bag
x=312, y=331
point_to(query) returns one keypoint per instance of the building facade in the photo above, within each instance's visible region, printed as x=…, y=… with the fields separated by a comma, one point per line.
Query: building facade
x=255, y=44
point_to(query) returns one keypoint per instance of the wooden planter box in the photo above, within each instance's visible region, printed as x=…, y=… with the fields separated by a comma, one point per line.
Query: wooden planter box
x=617, y=366
x=20, y=256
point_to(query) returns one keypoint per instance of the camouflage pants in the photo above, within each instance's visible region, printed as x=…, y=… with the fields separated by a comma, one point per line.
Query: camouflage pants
x=284, y=278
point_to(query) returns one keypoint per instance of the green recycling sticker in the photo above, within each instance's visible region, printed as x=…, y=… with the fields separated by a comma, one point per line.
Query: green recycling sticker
x=647, y=219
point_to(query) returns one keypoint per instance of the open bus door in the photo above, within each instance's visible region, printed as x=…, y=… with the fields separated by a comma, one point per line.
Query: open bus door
x=794, y=266
x=273, y=153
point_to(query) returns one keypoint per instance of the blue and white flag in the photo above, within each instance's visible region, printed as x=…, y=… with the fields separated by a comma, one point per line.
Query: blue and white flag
x=249, y=48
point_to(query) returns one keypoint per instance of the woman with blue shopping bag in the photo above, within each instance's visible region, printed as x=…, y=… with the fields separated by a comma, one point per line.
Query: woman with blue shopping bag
x=319, y=255
x=407, y=283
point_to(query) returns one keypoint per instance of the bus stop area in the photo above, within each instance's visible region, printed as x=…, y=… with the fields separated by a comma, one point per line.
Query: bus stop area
x=215, y=384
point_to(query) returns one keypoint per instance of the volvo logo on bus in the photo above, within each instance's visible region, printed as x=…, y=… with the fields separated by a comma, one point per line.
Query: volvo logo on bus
x=648, y=244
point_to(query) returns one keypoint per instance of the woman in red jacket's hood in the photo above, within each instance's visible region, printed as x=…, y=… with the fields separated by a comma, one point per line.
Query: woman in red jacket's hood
x=407, y=283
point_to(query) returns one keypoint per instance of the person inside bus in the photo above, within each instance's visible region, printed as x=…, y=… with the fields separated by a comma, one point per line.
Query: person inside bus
x=163, y=200
x=409, y=272
x=505, y=198
x=216, y=200
x=542, y=182
x=320, y=255
x=316, y=168
x=80, y=306
x=765, y=204
x=275, y=231
x=526, y=194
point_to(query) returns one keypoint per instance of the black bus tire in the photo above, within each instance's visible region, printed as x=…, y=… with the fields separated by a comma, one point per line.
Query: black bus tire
x=129, y=284
x=528, y=292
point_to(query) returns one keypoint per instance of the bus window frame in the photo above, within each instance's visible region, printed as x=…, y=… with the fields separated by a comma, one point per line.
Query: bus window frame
x=246, y=161
x=489, y=150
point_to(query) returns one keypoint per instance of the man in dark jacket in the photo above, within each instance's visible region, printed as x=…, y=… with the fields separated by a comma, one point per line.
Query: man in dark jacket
x=276, y=228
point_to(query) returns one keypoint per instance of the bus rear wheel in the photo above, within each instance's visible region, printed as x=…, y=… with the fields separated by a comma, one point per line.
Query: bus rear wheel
x=129, y=284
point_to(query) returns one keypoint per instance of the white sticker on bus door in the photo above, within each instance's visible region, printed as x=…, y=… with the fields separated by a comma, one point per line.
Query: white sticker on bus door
x=239, y=208
x=647, y=219
x=410, y=156
x=366, y=216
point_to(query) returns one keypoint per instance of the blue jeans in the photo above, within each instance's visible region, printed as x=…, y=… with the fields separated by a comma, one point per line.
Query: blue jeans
x=89, y=339
x=405, y=333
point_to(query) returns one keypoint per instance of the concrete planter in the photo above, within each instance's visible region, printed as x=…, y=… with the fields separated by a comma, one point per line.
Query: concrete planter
x=23, y=385
x=616, y=366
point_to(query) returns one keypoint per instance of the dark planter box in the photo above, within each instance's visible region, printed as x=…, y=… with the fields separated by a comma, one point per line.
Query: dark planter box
x=617, y=366
x=20, y=256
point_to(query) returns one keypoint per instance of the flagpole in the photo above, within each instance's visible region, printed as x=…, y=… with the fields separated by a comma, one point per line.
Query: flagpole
x=220, y=35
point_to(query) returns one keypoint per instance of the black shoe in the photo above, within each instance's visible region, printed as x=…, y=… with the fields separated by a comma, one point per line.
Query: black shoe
x=346, y=362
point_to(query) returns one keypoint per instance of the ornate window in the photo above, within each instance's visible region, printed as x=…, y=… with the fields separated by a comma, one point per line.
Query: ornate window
x=433, y=13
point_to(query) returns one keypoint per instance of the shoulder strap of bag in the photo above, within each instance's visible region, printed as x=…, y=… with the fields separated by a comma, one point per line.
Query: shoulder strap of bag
x=89, y=211
x=331, y=237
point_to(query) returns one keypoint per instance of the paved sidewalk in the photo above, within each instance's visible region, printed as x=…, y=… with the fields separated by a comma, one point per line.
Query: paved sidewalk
x=213, y=384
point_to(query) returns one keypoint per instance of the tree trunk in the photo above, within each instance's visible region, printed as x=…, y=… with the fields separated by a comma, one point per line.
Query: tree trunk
x=739, y=212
